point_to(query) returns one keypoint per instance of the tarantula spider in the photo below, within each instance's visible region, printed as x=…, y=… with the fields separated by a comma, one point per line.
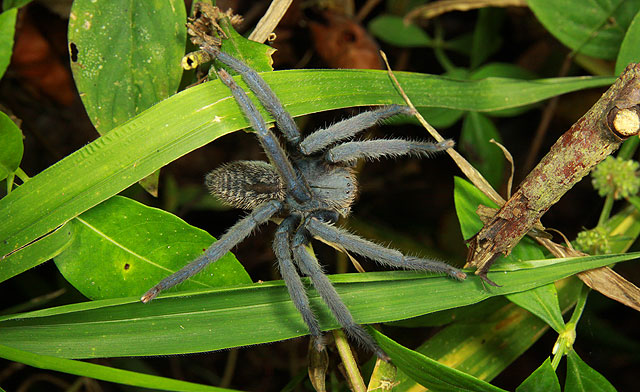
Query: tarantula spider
x=309, y=187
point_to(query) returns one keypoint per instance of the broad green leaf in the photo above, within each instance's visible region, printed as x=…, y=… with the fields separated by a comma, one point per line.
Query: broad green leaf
x=12, y=147
x=392, y=29
x=427, y=372
x=486, y=343
x=121, y=248
x=477, y=131
x=195, y=117
x=543, y=379
x=630, y=48
x=487, y=37
x=125, y=56
x=7, y=29
x=103, y=373
x=36, y=253
x=543, y=302
x=582, y=378
x=592, y=27
x=226, y=317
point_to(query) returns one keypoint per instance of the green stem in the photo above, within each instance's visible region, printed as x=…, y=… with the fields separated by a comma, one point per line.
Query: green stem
x=580, y=304
x=606, y=209
x=350, y=365
x=22, y=175
x=564, y=344
x=439, y=51
x=629, y=148
x=10, y=179
x=229, y=368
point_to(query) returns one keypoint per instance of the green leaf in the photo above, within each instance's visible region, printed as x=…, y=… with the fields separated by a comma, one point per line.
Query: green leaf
x=495, y=335
x=254, y=54
x=624, y=224
x=12, y=147
x=504, y=70
x=597, y=33
x=121, y=248
x=485, y=156
x=7, y=4
x=543, y=379
x=543, y=302
x=195, y=117
x=467, y=198
x=441, y=118
x=392, y=29
x=226, y=317
x=36, y=253
x=486, y=36
x=125, y=56
x=104, y=373
x=630, y=48
x=7, y=30
x=427, y=372
x=582, y=378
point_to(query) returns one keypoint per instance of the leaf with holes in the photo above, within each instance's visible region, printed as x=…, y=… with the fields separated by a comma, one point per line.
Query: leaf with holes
x=125, y=56
x=121, y=248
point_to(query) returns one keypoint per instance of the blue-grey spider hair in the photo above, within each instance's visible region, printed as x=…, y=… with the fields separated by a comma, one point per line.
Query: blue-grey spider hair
x=308, y=185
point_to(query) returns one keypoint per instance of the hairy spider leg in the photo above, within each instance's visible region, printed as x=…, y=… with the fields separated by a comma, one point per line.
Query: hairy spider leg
x=277, y=156
x=308, y=265
x=231, y=238
x=345, y=129
x=378, y=253
x=297, y=292
x=373, y=149
x=262, y=91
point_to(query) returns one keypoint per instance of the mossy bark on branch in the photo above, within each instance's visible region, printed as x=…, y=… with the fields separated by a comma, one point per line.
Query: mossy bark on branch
x=589, y=141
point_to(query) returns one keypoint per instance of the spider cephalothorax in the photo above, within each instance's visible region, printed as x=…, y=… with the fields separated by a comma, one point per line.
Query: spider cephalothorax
x=308, y=185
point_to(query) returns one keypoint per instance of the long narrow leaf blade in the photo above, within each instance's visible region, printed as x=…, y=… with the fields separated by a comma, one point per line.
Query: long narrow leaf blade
x=428, y=372
x=193, y=118
x=104, y=373
x=252, y=314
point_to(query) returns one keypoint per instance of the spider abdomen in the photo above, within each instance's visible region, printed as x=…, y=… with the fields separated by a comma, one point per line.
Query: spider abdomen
x=245, y=184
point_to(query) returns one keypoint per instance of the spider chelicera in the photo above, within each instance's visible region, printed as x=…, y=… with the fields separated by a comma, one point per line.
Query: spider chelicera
x=309, y=186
